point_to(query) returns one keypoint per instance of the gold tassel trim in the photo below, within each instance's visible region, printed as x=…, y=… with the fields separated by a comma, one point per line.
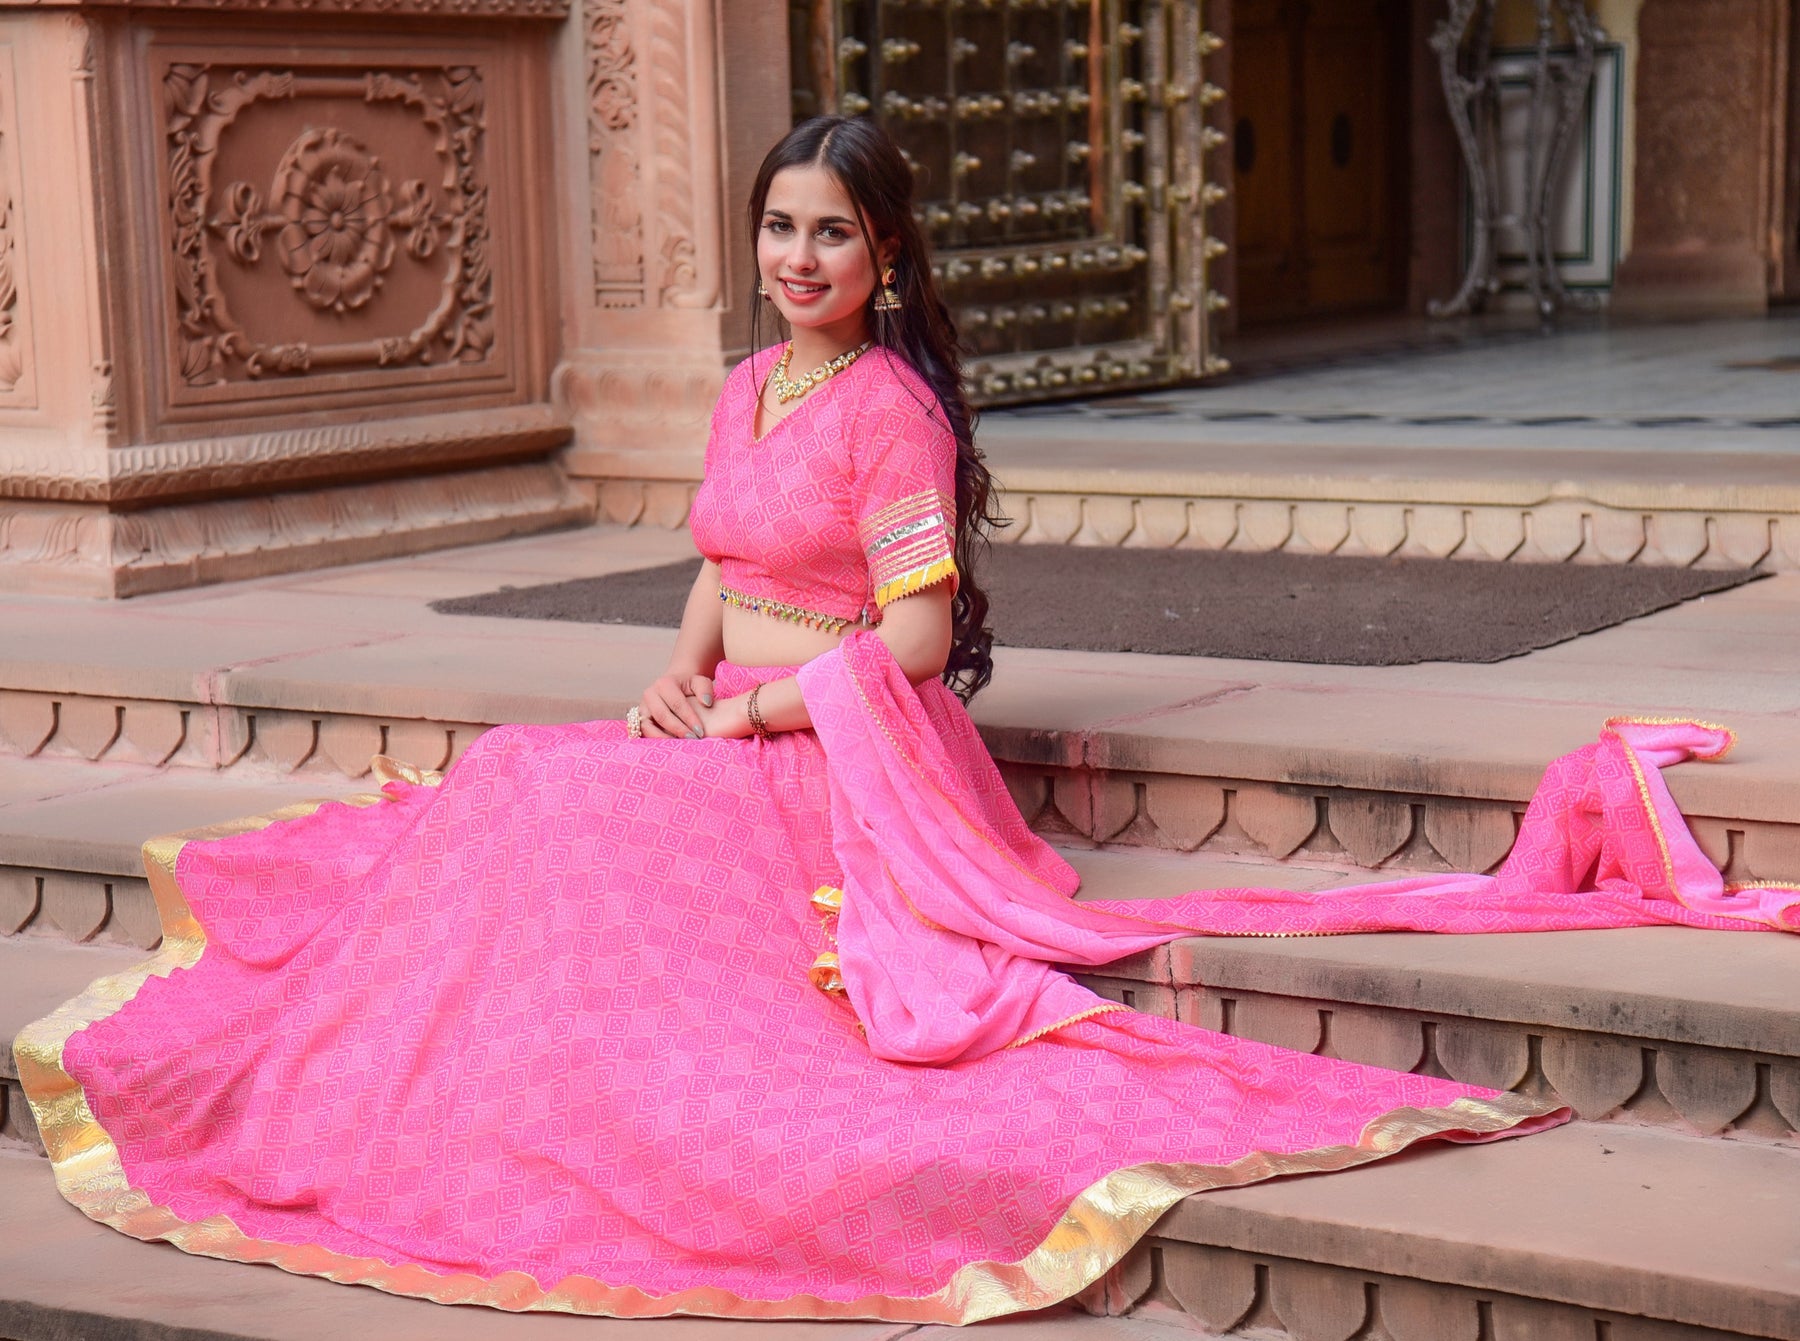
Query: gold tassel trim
x=826, y=974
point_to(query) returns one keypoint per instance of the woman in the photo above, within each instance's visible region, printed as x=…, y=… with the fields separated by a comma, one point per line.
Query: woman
x=747, y=1006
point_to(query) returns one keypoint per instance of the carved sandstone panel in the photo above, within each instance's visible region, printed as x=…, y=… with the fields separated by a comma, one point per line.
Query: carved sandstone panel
x=653, y=153
x=14, y=384
x=614, y=171
x=326, y=220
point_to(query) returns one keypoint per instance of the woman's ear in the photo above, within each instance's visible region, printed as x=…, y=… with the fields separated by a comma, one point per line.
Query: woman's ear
x=887, y=251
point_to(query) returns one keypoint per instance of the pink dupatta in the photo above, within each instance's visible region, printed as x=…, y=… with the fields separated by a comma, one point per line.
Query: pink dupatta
x=954, y=914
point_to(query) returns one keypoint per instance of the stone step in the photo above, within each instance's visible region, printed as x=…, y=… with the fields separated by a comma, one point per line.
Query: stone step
x=1383, y=488
x=1691, y=1029
x=37, y=976
x=1590, y=1230
x=1160, y=472
x=1412, y=767
x=1427, y=1250
x=1698, y=1031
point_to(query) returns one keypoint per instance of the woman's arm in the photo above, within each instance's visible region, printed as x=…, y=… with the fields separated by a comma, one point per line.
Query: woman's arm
x=671, y=706
x=916, y=630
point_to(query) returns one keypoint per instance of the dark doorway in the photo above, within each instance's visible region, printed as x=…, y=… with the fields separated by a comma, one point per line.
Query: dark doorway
x=1319, y=154
x=1787, y=268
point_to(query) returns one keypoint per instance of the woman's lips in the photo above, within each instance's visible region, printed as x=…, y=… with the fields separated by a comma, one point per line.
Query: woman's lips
x=805, y=293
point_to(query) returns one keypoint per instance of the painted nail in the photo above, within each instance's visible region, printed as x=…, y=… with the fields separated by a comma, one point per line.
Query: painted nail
x=706, y=699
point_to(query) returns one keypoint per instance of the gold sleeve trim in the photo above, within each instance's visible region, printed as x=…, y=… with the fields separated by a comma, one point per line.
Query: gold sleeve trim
x=908, y=584
x=1098, y=1229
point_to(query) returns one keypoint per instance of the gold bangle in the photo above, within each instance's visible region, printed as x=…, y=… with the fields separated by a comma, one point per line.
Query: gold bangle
x=753, y=711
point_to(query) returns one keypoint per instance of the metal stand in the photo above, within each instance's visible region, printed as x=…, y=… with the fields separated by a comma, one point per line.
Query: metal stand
x=1559, y=91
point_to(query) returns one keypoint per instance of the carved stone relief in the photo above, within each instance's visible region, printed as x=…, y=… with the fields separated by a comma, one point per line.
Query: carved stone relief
x=614, y=169
x=12, y=334
x=339, y=218
x=462, y=9
x=653, y=153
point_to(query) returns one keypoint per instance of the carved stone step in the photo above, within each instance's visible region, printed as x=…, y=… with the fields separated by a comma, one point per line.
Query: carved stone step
x=1386, y=488
x=1694, y=1030
x=62, y=1275
x=1098, y=748
x=71, y=866
x=37, y=976
x=1589, y=1230
x=1407, y=767
x=1690, y=1029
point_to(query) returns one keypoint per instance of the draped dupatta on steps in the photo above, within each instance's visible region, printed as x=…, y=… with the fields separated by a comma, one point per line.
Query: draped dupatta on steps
x=953, y=912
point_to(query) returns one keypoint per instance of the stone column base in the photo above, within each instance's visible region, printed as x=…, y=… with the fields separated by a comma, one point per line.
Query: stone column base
x=1713, y=283
x=86, y=549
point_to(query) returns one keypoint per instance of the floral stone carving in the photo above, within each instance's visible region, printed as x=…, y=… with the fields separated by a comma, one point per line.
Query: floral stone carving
x=336, y=201
x=338, y=219
x=614, y=172
x=11, y=362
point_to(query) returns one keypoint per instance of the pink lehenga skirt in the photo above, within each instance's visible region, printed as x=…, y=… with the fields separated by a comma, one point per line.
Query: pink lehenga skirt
x=743, y=1028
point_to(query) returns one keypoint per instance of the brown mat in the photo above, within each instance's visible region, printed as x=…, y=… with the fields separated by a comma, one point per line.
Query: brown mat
x=1260, y=607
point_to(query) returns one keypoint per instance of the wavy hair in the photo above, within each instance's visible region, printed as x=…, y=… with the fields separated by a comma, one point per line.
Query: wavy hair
x=869, y=166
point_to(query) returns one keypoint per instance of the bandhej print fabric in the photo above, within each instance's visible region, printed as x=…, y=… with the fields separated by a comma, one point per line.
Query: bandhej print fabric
x=546, y=1035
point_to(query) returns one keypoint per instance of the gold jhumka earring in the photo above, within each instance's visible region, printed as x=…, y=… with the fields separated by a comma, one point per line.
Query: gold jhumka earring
x=889, y=300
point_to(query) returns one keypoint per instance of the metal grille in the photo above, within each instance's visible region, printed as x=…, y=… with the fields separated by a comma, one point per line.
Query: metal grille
x=1060, y=150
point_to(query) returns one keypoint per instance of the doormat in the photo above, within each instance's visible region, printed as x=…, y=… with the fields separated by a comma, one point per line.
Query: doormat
x=1257, y=607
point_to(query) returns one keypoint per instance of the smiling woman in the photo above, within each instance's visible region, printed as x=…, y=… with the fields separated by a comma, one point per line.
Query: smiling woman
x=861, y=422
x=753, y=1006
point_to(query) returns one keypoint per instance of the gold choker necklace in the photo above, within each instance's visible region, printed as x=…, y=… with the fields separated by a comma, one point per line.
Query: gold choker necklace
x=787, y=389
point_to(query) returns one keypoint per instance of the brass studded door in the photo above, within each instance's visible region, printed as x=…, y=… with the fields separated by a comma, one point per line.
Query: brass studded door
x=1060, y=150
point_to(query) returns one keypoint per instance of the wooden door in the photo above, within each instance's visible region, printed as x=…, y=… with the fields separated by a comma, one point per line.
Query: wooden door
x=1318, y=155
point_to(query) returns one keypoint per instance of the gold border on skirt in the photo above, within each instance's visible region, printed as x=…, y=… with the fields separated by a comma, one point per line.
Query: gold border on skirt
x=1092, y=1236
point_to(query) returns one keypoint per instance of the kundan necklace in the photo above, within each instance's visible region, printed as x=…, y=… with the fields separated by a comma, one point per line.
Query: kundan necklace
x=787, y=388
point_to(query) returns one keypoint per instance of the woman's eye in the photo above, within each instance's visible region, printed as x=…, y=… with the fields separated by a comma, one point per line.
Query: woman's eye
x=833, y=232
x=776, y=226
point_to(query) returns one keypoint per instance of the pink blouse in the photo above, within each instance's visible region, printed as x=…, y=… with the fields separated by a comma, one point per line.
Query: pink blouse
x=843, y=506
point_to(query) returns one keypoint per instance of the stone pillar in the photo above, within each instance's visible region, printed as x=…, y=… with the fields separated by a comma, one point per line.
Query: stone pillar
x=669, y=107
x=1709, y=114
x=270, y=287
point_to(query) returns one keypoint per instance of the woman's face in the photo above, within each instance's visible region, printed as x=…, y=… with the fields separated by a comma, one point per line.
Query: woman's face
x=812, y=252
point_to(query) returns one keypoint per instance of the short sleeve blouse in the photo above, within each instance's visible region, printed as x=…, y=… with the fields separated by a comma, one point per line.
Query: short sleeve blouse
x=845, y=505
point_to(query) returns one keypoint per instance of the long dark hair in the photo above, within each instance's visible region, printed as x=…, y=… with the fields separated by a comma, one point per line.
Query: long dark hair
x=869, y=166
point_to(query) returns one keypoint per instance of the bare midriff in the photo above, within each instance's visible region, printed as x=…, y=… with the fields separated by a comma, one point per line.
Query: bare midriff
x=755, y=639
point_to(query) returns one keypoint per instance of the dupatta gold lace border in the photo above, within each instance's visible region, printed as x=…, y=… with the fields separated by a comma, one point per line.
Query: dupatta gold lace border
x=1093, y=1235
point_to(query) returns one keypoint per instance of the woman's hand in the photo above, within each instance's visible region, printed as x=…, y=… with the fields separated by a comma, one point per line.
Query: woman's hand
x=673, y=704
x=729, y=719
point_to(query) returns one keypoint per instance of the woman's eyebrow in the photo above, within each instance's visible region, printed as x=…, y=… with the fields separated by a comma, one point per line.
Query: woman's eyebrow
x=836, y=219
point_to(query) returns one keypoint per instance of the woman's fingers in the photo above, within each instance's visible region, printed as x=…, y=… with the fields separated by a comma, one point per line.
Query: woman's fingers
x=701, y=687
x=671, y=709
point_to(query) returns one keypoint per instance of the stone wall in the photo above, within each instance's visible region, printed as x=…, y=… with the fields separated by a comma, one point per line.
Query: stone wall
x=667, y=108
x=271, y=287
